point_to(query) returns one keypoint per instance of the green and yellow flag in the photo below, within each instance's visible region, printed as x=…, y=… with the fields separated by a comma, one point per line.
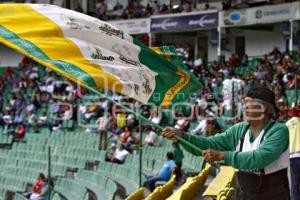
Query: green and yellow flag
x=93, y=53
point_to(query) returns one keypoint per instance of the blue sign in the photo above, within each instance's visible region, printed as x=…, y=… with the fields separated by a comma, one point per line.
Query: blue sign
x=185, y=23
x=235, y=17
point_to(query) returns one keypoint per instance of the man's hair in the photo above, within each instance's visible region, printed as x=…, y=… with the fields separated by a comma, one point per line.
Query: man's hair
x=170, y=156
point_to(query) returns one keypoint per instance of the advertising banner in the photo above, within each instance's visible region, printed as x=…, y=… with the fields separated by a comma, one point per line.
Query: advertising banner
x=259, y=15
x=184, y=23
x=271, y=14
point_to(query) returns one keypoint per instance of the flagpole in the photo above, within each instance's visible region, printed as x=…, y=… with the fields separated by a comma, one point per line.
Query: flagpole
x=140, y=152
x=198, y=150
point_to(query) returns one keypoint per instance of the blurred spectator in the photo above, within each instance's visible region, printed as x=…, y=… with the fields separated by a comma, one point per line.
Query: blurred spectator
x=19, y=133
x=103, y=126
x=37, y=192
x=182, y=123
x=125, y=136
x=101, y=9
x=121, y=120
x=164, y=174
x=152, y=138
x=118, y=156
x=186, y=6
x=178, y=157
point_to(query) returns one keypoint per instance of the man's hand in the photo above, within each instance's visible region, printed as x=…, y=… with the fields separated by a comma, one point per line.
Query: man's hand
x=211, y=155
x=170, y=133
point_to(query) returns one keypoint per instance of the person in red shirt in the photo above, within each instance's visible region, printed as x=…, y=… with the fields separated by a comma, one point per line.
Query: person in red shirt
x=125, y=135
x=20, y=132
x=37, y=187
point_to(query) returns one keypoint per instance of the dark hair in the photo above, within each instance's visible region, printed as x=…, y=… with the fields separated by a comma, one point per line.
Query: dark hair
x=170, y=156
x=42, y=176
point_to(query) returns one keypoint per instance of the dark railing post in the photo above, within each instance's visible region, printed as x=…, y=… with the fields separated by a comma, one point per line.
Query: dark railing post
x=49, y=173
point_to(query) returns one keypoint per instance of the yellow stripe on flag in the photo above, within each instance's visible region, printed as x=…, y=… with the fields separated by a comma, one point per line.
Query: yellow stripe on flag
x=158, y=51
x=52, y=43
x=172, y=92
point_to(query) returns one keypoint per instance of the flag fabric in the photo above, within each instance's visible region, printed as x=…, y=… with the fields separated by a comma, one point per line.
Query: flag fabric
x=93, y=53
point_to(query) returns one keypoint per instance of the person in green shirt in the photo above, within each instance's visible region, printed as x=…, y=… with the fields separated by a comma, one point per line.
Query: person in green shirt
x=257, y=148
x=178, y=153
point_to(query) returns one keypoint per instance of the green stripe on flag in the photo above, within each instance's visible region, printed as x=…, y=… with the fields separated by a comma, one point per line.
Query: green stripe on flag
x=167, y=77
x=32, y=49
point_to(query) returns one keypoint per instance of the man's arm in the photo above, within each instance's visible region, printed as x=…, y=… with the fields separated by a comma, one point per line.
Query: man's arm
x=226, y=141
x=270, y=150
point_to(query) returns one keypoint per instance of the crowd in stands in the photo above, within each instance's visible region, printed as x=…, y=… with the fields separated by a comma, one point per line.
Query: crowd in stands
x=136, y=9
x=29, y=110
x=36, y=98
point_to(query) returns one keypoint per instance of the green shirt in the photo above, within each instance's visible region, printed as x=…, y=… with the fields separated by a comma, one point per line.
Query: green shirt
x=275, y=143
x=178, y=155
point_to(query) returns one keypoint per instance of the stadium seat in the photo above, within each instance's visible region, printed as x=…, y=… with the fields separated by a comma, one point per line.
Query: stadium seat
x=101, y=186
x=164, y=191
x=19, y=197
x=2, y=193
x=70, y=189
x=137, y=195
x=225, y=177
x=191, y=186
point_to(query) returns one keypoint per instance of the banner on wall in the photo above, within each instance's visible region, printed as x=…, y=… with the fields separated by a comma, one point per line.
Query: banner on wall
x=133, y=27
x=276, y=13
x=259, y=15
x=184, y=23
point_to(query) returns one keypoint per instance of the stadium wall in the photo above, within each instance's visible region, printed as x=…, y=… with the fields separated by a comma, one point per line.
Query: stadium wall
x=257, y=42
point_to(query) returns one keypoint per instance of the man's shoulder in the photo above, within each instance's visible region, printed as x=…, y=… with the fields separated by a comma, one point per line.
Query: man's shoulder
x=239, y=126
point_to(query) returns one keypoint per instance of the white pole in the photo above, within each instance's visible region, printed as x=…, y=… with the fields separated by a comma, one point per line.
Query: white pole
x=196, y=47
x=291, y=36
x=219, y=42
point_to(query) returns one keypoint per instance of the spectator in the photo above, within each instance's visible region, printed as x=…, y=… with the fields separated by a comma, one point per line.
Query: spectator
x=155, y=117
x=103, y=126
x=212, y=127
x=20, y=132
x=19, y=118
x=294, y=134
x=125, y=135
x=121, y=120
x=118, y=156
x=186, y=6
x=156, y=8
x=151, y=139
x=182, y=123
x=37, y=192
x=42, y=120
x=7, y=119
x=164, y=174
x=101, y=9
x=178, y=154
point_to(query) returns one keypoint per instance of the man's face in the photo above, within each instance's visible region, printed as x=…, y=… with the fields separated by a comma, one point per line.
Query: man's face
x=254, y=109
